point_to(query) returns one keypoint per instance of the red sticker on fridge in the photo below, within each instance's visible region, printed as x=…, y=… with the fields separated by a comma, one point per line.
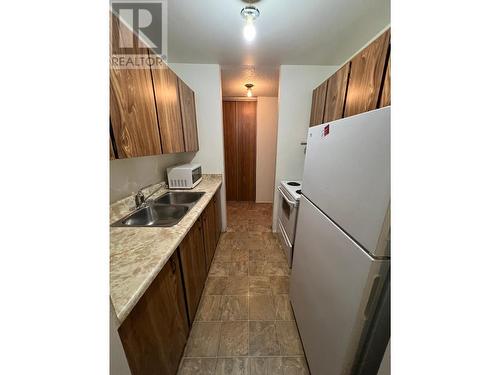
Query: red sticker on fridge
x=326, y=130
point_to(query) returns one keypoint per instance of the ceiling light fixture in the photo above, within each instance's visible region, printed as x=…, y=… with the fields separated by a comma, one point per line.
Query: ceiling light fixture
x=250, y=14
x=249, y=89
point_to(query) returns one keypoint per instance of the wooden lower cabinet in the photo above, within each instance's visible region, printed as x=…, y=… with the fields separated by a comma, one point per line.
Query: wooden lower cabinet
x=209, y=232
x=194, y=271
x=156, y=331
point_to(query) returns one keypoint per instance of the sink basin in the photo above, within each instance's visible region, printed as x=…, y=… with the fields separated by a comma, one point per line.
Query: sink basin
x=154, y=215
x=180, y=197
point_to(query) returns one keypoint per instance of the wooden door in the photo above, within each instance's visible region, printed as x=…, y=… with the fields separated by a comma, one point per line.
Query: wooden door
x=318, y=104
x=230, y=149
x=156, y=330
x=365, y=79
x=188, y=110
x=194, y=269
x=132, y=107
x=168, y=107
x=335, y=96
x=209, y=233
x=385, y=97
x=247, y=132
x=240, y=126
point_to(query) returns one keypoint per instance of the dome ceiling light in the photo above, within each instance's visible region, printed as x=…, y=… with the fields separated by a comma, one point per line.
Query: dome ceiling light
x=249, y=89
x=250, y=14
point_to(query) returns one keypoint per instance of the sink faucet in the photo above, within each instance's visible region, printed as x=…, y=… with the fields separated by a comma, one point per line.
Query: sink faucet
x=140, y=199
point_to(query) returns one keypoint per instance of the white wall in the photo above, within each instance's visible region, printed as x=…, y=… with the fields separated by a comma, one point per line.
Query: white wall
x=297, y=83
x=205, y=80
x=267, y=130
x=128, y=175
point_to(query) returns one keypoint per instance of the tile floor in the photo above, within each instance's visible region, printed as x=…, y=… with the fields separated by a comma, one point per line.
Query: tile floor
x=244, y=324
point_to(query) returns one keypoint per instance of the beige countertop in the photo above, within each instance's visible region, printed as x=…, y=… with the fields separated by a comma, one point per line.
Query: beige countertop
x=138, y=254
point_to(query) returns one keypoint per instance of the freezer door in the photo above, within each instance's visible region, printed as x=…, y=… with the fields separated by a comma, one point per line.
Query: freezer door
x=333, y=289
x=347, y=174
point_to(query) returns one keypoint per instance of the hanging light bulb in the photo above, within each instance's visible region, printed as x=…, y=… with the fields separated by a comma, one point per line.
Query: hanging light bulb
x=249, y=89
x=249, y=30
x=250, y=14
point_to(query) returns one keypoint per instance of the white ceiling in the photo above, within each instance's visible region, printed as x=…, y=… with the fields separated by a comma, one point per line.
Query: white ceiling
x=264, y=78
x=295, y=32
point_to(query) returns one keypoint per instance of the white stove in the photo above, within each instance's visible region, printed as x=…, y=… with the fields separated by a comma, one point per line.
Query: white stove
x=290, y=193
x=294, y=188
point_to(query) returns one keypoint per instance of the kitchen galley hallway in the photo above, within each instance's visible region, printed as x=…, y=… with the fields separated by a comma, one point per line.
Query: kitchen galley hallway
x=244, y=323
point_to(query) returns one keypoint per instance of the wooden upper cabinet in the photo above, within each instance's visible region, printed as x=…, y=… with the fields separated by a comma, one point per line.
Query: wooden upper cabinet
x=194, y=269
x=111, y=151
x=385, y=98
x=155, y=332
x=166, y=91
x=365, y=79
x=188, y=110
x=335, y=96
x=132, y=108
x=318, y=104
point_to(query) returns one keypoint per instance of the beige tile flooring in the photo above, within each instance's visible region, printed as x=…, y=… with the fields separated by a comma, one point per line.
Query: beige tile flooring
x=244, y=324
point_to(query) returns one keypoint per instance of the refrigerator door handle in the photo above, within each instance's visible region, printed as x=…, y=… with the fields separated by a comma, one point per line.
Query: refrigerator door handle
x=371, y=299
x=291, y=203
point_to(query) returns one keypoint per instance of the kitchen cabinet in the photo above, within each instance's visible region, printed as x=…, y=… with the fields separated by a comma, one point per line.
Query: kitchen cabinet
x=194, y=271
x=188, y=111
x=111, y=151
x=318, y=104
x=132, y=106
x=156, y=330
x=365, y=79
x=209, y=232
x=152, y=110
x=385, y=98
x=166, y=91
x=335, y=96
x=361, y=85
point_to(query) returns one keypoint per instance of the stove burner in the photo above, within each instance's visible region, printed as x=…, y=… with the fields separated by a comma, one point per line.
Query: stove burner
x=293, y=183
x=298, y=191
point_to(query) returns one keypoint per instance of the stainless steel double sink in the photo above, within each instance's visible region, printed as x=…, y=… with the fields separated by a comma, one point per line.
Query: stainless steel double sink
x=165, y=211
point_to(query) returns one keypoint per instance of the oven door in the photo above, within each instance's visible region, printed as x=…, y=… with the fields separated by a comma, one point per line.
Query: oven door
x=285, y=243
x=287, y=213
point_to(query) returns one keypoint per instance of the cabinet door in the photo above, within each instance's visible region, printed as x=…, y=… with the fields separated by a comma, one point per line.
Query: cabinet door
x=335, y=96
x=318, y=104
x=188, y=110
x=166, y=91
x=385, y=98
x=194, y=270
x=156, y=330
x=111, y=151
x=365, y=80
x=209, y=233
x=132, y=108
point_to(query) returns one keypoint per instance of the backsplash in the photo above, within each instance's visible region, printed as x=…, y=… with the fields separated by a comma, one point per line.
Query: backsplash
x=128, y=175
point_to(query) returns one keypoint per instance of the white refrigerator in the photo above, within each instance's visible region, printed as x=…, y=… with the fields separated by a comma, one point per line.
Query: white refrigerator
x=342, y=248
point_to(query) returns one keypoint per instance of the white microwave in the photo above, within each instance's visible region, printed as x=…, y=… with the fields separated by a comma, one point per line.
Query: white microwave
x=184, y=176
